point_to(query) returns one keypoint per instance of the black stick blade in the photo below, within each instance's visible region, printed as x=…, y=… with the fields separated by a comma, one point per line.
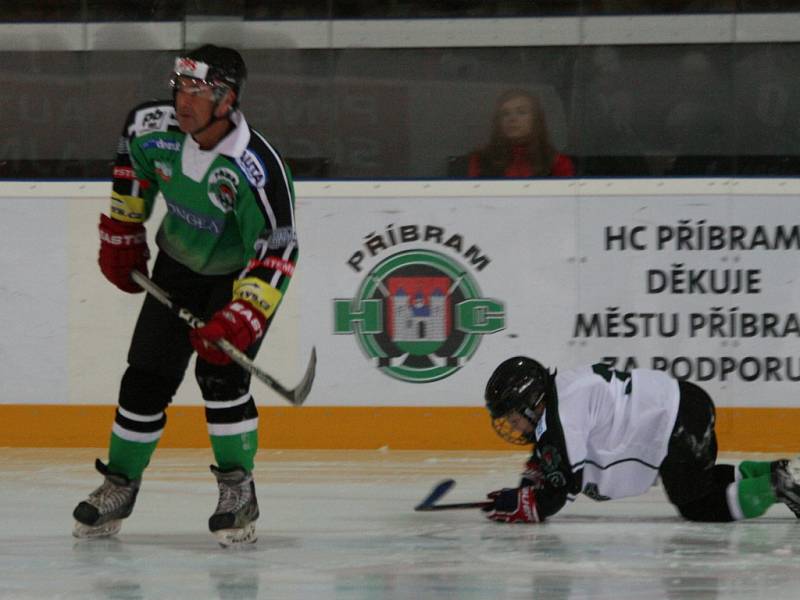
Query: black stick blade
x=299, y=394
x=437, y=492
x=458, y=506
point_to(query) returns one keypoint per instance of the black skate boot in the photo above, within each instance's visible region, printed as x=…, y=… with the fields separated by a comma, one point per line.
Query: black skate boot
x=233, y=522
x=786, y=483
x=101, y=514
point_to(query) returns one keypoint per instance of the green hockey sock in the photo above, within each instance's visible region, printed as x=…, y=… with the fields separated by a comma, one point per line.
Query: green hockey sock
x=754, y=468
x=129, y=458
x=237, y=450
x=755, y=495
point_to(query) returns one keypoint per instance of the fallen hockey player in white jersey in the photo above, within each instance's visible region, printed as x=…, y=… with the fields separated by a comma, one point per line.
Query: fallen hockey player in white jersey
x=611, y=434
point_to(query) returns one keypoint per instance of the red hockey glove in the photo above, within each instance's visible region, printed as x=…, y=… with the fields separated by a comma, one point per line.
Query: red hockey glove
x=513, y=505
x=123, y=248
x=238, y=322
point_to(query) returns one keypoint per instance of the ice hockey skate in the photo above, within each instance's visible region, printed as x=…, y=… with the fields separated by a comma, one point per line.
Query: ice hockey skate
x=101, y=514
x=786, y=483
x=233, y=522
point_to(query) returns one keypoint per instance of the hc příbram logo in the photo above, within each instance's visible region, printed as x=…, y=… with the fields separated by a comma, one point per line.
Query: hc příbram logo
x=419, y=315
x=222, y=184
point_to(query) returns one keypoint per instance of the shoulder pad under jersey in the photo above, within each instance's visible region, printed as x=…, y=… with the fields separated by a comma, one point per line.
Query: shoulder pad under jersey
x=260, y=161
x=151, y=117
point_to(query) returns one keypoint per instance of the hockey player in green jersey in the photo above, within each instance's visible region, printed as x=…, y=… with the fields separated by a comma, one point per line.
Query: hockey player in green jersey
x=227, y=250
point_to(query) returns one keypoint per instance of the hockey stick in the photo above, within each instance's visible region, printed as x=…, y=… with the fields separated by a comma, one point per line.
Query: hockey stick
x=296, y=395
x=441, y=488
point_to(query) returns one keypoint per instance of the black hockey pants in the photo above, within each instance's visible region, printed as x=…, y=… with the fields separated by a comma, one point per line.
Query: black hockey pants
x=160, y=349
x=693, y=482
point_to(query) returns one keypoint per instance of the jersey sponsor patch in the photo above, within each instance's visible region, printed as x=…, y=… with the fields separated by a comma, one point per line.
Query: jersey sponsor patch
x=196, y=220
x=261, y=295
x=223, y=185
x=275, y=239
x=534, y=474
x=251, y=165
x=550, y=462
x=163, y=170
x=273, y=263
x=124, y=173
x=161, y=144
x=153, y=120
x=129, y=209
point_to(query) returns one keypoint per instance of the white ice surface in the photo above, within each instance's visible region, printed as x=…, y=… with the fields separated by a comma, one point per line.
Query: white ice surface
x=341, y=525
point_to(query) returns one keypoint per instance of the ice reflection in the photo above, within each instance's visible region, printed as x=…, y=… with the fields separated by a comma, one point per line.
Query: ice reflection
x=340, y=526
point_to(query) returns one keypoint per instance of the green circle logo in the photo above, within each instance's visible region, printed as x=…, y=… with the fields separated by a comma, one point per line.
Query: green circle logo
x=419, y=316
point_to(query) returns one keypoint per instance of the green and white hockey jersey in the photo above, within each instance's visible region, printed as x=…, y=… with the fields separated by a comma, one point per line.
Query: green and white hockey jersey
x=229, y=209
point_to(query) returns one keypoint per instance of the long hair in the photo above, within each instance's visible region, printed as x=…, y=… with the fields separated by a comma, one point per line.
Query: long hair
x=496, y=155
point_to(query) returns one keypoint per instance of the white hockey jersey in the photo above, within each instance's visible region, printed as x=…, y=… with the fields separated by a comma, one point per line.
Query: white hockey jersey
x=616, y=427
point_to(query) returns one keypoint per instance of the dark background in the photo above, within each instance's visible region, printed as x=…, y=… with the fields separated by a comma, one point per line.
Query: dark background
x=366, y=113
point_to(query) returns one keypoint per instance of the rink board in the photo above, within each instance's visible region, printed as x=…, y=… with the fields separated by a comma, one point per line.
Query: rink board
x=363, y=428
x=412, y=292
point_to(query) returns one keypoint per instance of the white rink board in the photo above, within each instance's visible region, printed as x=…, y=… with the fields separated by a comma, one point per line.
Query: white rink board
x=539, y=251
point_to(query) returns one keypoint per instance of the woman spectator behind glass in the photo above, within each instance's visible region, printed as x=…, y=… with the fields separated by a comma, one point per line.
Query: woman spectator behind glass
x=520, y=145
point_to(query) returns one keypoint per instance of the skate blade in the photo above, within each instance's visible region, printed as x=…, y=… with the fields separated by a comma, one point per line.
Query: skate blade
x=229, y=538
x=82, y=531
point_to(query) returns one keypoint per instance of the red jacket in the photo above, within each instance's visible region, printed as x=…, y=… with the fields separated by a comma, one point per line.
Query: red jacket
x=520, y=166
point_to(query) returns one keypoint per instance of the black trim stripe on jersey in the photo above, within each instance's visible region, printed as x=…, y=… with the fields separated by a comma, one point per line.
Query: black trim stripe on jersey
x=579, y=465
x=275, y=202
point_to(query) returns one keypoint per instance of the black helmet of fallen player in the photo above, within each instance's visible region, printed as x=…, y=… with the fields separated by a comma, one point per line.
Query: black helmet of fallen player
x=518, y=385
x=220, y=68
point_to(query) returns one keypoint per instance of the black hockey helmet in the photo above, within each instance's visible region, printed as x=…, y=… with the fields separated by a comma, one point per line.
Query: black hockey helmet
x=219, y=67
x=519, y=385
